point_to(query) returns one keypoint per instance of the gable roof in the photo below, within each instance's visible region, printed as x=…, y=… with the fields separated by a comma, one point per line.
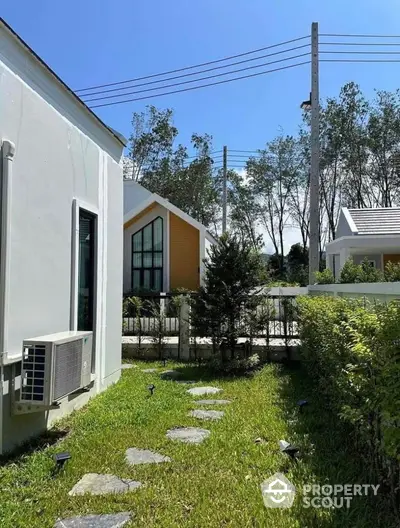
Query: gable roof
x=121, y=139
x=378, y=221
x=155, y=198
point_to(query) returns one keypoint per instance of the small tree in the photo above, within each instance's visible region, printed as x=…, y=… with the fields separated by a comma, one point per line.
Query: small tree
x=392, y=272
x=234, y=274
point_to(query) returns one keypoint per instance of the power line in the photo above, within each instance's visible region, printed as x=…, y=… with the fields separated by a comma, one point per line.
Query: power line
x=357, y=35
x=194, y=73
x=194, y=66
x=247, y=151
x=360, y=60
x=359, y=43
x=217, y=75
x=362, y=52
x=200, y=156
x=203, y=86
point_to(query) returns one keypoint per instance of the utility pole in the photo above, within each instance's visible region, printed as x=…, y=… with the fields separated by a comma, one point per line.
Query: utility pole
x=313, y=259
x=224, y=190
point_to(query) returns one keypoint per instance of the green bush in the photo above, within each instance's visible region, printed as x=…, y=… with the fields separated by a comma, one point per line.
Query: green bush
x=352, y=350
x=324, y=277
x=392, y=272
x=354, y=273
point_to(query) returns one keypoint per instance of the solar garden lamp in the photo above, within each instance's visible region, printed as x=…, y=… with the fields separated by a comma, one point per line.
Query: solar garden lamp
x=288, y=449
x=60, y=459
x=151, y=388
x=302, y=404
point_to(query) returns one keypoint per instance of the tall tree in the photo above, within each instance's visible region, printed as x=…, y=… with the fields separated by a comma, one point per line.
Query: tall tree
x=162, y=168
x=272, y=178
x=243, y=209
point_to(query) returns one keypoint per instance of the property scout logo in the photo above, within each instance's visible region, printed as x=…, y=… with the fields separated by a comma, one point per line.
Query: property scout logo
x=279, y=492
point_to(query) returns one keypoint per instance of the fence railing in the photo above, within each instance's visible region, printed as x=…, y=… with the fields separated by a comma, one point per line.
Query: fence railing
x=158, y=315
x=150, y=315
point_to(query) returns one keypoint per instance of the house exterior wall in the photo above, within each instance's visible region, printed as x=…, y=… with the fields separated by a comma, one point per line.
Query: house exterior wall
x=134, y=194
x=184, y=254
x=142, y=219
x=395, y=258
x=63, y=155
x=343, y=228
x=377, y=259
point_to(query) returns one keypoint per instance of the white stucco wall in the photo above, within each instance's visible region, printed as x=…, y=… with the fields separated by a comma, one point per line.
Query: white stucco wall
x=134, y=195
x=62, y=154
x=380, y=291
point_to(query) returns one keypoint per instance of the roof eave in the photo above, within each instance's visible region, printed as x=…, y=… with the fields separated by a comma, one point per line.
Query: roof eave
x=120, y=138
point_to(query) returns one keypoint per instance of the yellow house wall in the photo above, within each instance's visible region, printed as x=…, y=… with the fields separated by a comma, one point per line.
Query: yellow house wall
x=184, y=246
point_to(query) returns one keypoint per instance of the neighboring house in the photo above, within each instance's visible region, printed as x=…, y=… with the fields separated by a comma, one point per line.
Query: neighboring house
x=365, y=233
x=61, y=242
x=164, y=247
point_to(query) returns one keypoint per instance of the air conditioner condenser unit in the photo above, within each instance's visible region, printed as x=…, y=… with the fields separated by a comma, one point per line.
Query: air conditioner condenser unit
x=53, y=367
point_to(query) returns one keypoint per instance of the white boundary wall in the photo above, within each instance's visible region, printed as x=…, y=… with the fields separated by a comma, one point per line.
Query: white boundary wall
x=380, y=291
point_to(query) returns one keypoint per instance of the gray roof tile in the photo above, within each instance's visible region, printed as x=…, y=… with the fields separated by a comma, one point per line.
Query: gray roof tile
x=381, y=221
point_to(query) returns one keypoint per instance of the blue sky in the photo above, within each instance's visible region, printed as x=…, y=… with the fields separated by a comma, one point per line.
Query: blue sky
x=91, y=42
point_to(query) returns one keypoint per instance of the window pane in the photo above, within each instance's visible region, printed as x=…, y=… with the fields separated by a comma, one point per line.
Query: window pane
x=146, y=279
x=157, y=260
x=86, y=270
x=147, y=242
x=147, y=260
x=137, y=242
x=157, y=280
x=136, y=280
x=137, y=260
x=158, y=224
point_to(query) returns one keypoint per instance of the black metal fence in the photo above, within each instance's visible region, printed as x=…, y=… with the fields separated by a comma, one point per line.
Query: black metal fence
x=150, y=315
x=157, y=315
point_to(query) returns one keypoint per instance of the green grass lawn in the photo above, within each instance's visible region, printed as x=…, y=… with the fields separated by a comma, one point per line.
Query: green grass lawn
x=214, y=484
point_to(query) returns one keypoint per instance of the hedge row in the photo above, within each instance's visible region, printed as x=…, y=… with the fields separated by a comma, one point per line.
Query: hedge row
x=352, y=350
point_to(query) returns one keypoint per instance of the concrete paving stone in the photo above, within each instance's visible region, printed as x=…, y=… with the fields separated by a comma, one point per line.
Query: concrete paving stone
x=206, y=415
x=188, y=435
x=136, y=456
x=97, y=484
x=113, y=520
x=203, y=391
x=213, y=402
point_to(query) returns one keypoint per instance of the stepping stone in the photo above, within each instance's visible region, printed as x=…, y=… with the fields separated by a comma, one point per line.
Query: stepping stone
x=114, y=520
x=188, y=435
x=213, y=402
x=170, y=374
x=144, y=456
x=149, y=371
x=96, y=484
x=202, y=391
x=207, y=415
x=127, y=366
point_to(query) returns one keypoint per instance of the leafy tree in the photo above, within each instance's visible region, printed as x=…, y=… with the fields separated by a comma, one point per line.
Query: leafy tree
x=162, y=168
x=272, y=176
x=297, y=259
x=244, y=214
x=234, y=274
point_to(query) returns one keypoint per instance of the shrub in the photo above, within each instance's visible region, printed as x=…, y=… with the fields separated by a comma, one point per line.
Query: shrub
x=349, y=273
x=354, y=273
x=324, y=277
x=352, y=350
x=392, y=272
x=233, y=275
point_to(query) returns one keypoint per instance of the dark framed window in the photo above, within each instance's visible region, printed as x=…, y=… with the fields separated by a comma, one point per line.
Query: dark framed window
x=86, y=284
x=147, y=257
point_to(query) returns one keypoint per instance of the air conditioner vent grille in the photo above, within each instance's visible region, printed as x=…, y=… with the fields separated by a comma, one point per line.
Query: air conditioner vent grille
x=32, y=388
x=67, y=368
